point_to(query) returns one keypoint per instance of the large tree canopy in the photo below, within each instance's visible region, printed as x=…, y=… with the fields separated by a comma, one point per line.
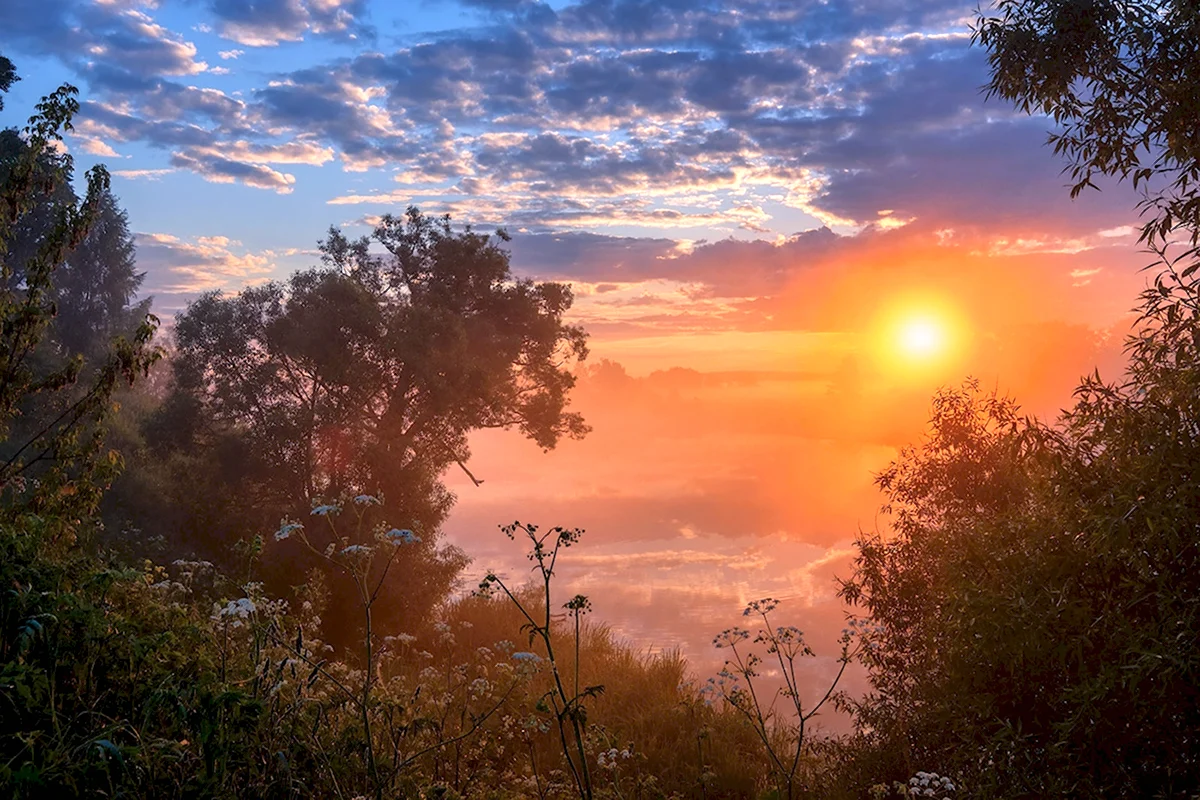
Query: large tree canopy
x=1036, y=601
x=367, y=375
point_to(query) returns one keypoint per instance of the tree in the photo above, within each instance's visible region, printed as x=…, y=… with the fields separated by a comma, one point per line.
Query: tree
x=52, y=463
x=1123, y=79
x=367, y=375
x=96, y=287
x=1037, y=605
x=93, y=289
x=8, y=76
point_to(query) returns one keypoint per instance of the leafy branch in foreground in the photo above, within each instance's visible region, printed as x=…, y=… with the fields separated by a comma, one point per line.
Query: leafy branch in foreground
x=1122, y=79
x=59, y=451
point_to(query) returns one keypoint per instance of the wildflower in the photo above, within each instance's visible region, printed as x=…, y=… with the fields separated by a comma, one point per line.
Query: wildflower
x=367, y=500
x=242, y=607
x=529, y=658
x=326, y=510
x=730, y=637
x=764, y=606
x=236, y=610
x=287, y=529
x=356, y=549
x=399, y=537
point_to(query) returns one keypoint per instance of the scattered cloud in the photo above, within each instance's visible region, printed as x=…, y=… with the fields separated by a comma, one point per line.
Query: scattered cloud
x=178, y=269
x=142, y=174
x=266, y=23
x=211, y=165
x=598, y=113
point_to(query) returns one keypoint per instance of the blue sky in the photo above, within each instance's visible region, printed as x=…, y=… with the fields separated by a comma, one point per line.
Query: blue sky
x=239, y=131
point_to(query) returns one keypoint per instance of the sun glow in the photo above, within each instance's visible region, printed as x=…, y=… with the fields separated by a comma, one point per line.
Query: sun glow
x=921, y=338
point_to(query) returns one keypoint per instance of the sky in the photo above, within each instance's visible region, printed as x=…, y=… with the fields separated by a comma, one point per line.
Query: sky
x=786, y=222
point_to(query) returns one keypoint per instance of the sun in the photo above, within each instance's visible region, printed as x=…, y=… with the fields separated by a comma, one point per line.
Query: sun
x=921, y=338
x=919, y=335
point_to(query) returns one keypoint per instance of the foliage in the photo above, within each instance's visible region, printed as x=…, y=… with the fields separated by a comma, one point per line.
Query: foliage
x=52, y=462
x=96, y=280
x=1123, y=79
x=181, y=681
x=8, y=76
x=1036, y=606
x=1029, y=621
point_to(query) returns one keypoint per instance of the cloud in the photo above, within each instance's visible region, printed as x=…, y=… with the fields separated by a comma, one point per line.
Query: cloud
x=97, y=147
x=266, y=23
x=179, y=269
x=211, y=165
x=500, y=5
x=298, y=151
x=679, y=114
x=142, y=174
x=99, y=38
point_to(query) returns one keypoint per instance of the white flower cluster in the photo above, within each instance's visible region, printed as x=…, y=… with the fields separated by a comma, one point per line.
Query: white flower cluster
x=730, y=637
x=234, y=611
x=857, y=626
x=170, y=587
x=401, y=638
x=868, y=633
x=930, y=784
x=607, y=759
x=398, y=537
x=286, y=529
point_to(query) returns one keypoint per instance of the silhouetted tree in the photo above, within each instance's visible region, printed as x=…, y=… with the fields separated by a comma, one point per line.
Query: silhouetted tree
x=8, y=76
x=366, y=376
x=1036, y=599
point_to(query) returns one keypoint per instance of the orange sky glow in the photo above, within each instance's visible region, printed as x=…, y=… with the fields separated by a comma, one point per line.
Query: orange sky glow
x=732, y=457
